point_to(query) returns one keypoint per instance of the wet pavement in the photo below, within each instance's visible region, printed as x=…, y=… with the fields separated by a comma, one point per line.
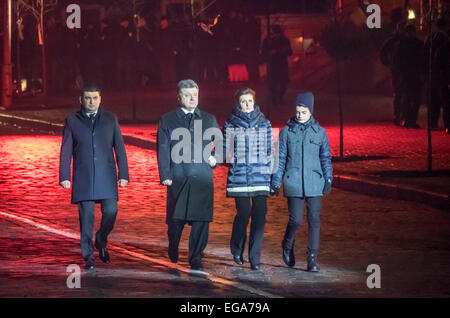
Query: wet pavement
x=39, y=233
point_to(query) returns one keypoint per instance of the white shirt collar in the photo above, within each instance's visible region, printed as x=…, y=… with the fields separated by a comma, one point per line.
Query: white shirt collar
x=187, y=111
x=95, y=113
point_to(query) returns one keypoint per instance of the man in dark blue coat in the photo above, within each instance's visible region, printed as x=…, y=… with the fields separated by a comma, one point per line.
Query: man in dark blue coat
x=91, y=136
x=186, y=168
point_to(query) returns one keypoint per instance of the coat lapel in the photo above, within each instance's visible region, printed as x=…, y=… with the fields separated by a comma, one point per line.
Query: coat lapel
x=86, y=120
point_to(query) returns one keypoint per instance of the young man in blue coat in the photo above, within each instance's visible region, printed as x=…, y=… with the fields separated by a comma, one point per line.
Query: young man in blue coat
x=91, y=137
x=306, y=170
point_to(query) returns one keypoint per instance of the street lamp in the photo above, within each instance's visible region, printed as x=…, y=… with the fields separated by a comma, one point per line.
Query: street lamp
x=7, y=67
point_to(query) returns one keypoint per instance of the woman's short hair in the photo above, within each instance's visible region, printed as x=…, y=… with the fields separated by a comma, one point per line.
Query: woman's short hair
x=244, y=91
x=186, y=83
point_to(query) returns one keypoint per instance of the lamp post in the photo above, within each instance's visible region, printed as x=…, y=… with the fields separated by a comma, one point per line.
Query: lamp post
x=430, y=83
x=7, y=67
x=134, y=65
x=338, y=10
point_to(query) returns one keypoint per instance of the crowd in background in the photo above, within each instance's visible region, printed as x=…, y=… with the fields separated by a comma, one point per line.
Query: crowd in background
x=410, y=60
x=124, y=53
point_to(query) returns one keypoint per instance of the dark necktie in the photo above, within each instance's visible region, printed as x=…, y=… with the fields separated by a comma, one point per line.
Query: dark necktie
x=92, y=117
x=188, y=118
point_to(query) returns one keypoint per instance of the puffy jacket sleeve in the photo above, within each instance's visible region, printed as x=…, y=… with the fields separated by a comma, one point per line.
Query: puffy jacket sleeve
x=325, y=157
x=282, y=155
x=269, y=148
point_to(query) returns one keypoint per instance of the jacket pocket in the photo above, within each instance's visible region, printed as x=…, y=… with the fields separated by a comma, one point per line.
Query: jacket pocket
x=317, y=183
x=292, y=180
x=316, y=142
x=318, y=172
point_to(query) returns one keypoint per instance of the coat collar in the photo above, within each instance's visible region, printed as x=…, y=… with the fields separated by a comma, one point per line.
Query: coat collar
x=82, y=112
x=180, y=113
x=294, y=125
x=85, y=119
x=239, y=118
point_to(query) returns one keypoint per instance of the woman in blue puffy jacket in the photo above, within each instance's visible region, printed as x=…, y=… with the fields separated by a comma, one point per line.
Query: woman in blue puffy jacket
x=306, y=171
x=248, y=150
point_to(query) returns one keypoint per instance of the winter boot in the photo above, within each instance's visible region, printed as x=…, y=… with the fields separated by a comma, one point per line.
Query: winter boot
x=288, y=254
x=311, y=260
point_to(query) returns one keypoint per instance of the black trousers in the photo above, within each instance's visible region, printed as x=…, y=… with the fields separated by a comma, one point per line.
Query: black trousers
x=412, y=101
x=198, y=238
x=256, y=209
x=406, y=97
x=399, y=97
x=295, y=206
x=86, y=212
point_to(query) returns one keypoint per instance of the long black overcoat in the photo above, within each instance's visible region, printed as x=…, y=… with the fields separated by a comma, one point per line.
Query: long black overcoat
x=191, y=195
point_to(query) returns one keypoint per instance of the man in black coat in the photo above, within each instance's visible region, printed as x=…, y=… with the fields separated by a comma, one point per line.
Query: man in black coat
x=92, y=136
x=185, y=163
x=387, y=58
x=408, y=63
x=275, y=50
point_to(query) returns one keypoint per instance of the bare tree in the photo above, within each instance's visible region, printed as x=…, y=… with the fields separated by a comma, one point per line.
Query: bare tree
x=38, y=9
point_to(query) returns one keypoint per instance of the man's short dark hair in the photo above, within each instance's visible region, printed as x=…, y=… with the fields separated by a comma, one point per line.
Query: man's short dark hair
x=90, y=87
x=186, y=83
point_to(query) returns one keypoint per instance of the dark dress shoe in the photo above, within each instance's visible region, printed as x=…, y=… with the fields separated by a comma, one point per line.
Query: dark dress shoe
x=255, y=267
x=104, y=255
x=197, y=266
x=89, y=264
x=102, y=252
x=238, y=260
x=173, y=255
